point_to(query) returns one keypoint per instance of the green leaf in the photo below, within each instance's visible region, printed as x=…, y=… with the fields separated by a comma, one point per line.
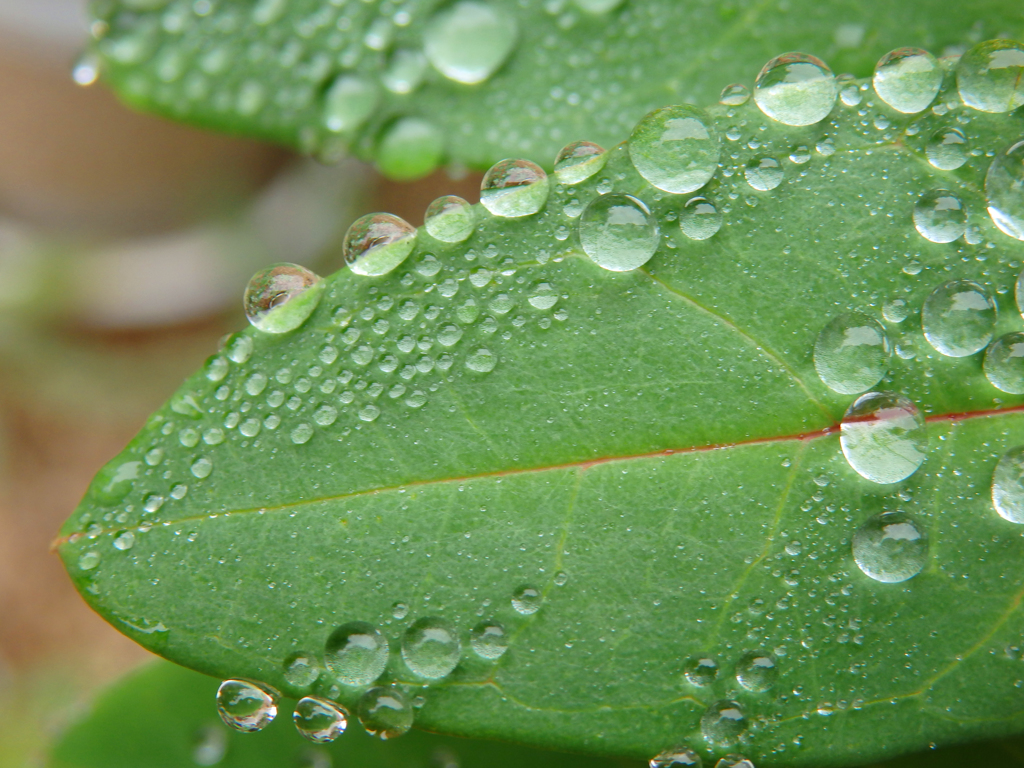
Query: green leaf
x=353, y=75
x=652, y=451
x=162, y=716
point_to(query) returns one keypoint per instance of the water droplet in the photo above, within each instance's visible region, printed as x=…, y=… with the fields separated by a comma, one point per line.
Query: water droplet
x=734, y=95
x=302, y=434
x=884, y=437
x=699, y=219
x=377, y=243
x=319, y=720
x=990, y=76
x=356, y=653
x=543, y=296
x=756, y=671
x=385, y=712
x=800, y=155
x=598, y=6
x=890, y=547
x=450, y=219
x=89, y=560
x=763, y=173
x=405, y=71
x=279, y=298
x=399, y=610
x=449, y=335
x=125, y=541
x=1008, y=486
x=369, y=412
x=578, y=161
x=246, y=706
x=734, y=761
x=676, y=757
x=202, y=467
x=701, y=671
x=348, y=103
x=908, y=79
x=210, y=745
x=958, y=318
x=115, y=481
x=527, y=600
x=514, y=188
x=940, y=216
x=723, y=723
x=409, y=148
x=947, y=149
x=676, y=148
x=153, y=502
x=301, y=669
x=86, y=70
x=489, y=640
x=852, y=353
x=468, y=41
x=896, y=311
x=796, y=89
x=1004, y=190
x=618, y=232
x=431, y=648
x=482, y=361
x=1004, y=363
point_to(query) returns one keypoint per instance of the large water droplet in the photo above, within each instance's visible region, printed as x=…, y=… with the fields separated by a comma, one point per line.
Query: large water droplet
x=763, y=173
x=301, y=669
x=699, y=219
x=890, y=547
x=450, y=219
x=527, y=600
x=377, y=243
x=489, y=640
x=1004, y=190
x=701, y=671
x=851, y=354
x=319, y=720
x=947, y=149
x=723, y=723
x=676, y=757
x=676, y=148
x=469, y=40
x=756, y=671
x=940, y=216
x=431, y=648
x=115, y=481
x=349, y=102
x=990, y=76
x=246, y=706
x=958, y=318
x=884, y=437
x=796, y=89
x=281, y=297
x=1008, y=486
x=578, y=161
x=514, y=188
x=356, y=653
x=618, y=232
x=908, y=79
x=1004, y=363
x=385, y=712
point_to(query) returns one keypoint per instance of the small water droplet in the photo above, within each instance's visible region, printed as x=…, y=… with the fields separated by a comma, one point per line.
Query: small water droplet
x=676, y=757
x=756, y=671
x=527, y=600
x=89, y=560
x=800, y=155
x=1008, y=486
x=246, y=706
x=489, y=640
x=385, y=712
x=852, y=353
x=202, y=467
x=377, y=243
x=1004, y=190
x=482, y=361
x=86, y=70
x=958, y=318
x=301, y=669
x=467, y=42
x=796, y=89
x=947, y=149
x=514, y=188
x=319, y=720
x=699, y=219
x=675, y=148
x=399, y=610
x=356, y=653
x=701, y=671
x=940, y=216
x=734, y=95
x=908, y=79
x=431, y=648
x=1004, y=363
x=302, y=434
x=990, y=76
x=279, y=298
x=896, y=311
x=210, y=745
x=723, y=723
x=763, y=173
x=890, y=547
x=404, y=71
x=450, y=219
x=125, y=541
x=618, y=232
x=348, y=103
x=734, y=761
x=884, y=437
x=578, y=161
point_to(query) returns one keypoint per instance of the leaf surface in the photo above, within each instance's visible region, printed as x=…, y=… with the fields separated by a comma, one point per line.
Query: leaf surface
x=269, y=69
x=652, y=452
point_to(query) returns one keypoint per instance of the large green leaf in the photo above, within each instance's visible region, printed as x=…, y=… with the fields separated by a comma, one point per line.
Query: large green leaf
x=652, y=451
x=267, y=68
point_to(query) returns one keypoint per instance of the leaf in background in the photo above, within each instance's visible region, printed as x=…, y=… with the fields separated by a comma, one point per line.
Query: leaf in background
x=418, y=83
x=625, y=470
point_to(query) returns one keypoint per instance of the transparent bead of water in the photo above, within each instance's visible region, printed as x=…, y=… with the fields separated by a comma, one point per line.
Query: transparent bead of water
x=578, y=161
x=125, y=541
x=377, y=243
x=405, y=71
x=800, y=155
x=356, y=653
x=527, y=600
x=409, y=148
x=450, y=219
x=676, y=148
x=86, y=70
x=115, y=481
x=896, y=310
x=431, y=648
x=763, y=173
x=734, y=95
x=319, y=720
x=489, y=640
x=723, y=723
x=852, y=354
x=908, y=79
x=734, y=761
x=246, y=706
x=598, y=6
x=281, y=297
x=939, y=216
x=1008, y=486
x=385, y=712
x=1004, y=363
x=796, y=89
x=884, y=437
x=301, y=669
x=947, y=149
x=890, y=547
x=514, y=188
x=348, y=103
x=676, y=757
x=990, y=76
x=1004, y=190
x=958, y=318
x=89, y=560
x=467, y=42
x=210, y=745
x=701, y=671
x=699, y=219
x=756, y=671
x=618, y=232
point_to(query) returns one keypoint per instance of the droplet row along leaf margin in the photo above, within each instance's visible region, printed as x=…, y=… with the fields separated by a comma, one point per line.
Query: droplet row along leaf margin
x=659, y=435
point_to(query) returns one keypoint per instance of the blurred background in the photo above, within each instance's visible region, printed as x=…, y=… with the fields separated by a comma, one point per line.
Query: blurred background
x=125, y=244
